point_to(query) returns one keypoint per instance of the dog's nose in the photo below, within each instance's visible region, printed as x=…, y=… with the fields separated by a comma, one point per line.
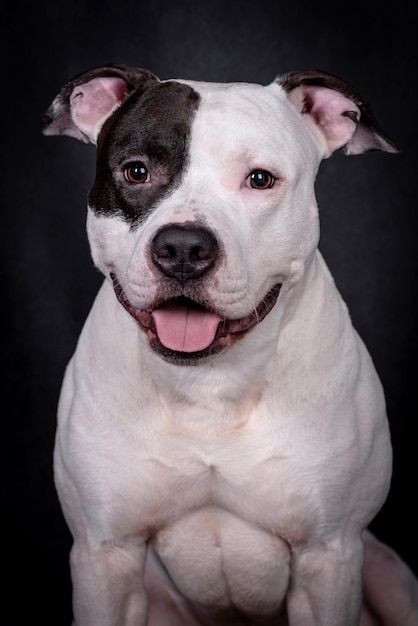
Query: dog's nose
x=184, y=251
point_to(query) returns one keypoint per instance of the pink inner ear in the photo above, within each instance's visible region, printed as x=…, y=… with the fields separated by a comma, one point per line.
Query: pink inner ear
x=94, y=101
x=333, y=113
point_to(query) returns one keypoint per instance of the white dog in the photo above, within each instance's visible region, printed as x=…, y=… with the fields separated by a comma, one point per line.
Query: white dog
x=222, y=440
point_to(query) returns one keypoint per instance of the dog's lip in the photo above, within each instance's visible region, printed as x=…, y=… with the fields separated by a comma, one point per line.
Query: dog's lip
x=225, y=327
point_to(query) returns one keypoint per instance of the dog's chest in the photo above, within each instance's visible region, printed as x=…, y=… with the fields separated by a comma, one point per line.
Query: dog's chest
x=201, y=501
x=201, y=472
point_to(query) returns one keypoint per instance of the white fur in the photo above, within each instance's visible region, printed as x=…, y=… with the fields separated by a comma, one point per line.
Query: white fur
x=254, y=473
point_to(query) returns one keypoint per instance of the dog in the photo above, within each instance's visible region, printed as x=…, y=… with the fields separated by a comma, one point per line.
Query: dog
x=222, y=441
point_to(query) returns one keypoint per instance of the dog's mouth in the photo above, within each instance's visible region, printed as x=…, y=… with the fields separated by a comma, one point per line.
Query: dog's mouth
x=184, y=331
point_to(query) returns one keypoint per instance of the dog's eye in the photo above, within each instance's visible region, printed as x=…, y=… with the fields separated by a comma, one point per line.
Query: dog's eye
x=261, y=179
x=136, y=172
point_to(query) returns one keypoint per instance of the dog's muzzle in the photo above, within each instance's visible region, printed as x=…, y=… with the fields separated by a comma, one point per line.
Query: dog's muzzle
x=179, y=328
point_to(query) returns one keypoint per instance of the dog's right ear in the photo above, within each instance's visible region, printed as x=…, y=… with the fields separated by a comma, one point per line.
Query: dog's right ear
x=84, y=104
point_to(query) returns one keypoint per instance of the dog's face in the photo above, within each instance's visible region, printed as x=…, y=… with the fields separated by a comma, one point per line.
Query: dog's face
x=203, y=210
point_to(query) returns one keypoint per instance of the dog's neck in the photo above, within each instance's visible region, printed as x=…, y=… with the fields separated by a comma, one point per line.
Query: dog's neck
x=230, y=383
x=245, y=369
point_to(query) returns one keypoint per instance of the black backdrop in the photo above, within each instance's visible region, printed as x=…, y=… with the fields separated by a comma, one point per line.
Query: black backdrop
x=367, y=204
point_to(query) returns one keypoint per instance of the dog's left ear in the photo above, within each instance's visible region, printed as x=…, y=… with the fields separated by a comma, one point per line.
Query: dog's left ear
x=84, y=104
x=340, y=113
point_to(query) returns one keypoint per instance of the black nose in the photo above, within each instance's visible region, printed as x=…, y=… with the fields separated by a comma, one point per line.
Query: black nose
x=184, y=251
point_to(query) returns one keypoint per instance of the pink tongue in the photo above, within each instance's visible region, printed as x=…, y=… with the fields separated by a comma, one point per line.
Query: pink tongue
x=185, y=329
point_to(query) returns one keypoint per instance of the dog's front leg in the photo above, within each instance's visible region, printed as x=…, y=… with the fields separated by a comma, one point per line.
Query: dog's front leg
x=108, y=583
x=326, y=585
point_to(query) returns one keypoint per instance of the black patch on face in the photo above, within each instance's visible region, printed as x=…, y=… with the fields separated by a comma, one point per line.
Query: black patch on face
x=152, y=127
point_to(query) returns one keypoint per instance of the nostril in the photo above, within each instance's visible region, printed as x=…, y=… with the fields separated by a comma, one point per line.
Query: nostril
x=166, y=251
x=197, y=253
x=184, y=251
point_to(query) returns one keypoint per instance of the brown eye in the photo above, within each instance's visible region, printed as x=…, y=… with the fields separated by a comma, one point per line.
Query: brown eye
x=261, y=179
x=136, y=173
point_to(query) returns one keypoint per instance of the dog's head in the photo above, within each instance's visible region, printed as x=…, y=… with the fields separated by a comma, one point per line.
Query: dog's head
x=203, y=208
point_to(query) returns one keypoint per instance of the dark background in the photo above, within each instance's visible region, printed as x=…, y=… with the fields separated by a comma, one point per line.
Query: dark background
x=368, y=208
